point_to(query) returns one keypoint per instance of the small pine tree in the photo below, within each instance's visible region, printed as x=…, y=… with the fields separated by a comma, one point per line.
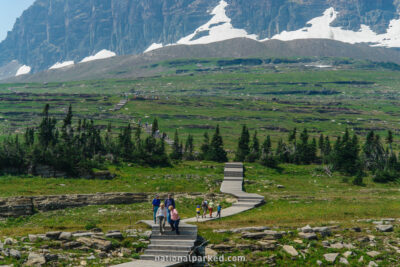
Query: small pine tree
x=217, y=152
x=154, y=127
x=205, y=147
x=321, y=144
x=267, y=145
x=176, y=153
x=243, y=149
x=254, y=149
x=189, y=148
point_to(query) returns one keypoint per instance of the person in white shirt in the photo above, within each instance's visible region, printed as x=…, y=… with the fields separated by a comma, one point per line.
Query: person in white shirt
x=161, y=217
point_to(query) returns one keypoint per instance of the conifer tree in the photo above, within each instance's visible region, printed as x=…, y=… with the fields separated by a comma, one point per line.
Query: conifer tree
x=217, y=152
x=389, y=140
x=243, y=149
x=321, y=144
x=189, y=148
x=267, y=145
x=205, y=147
x=176, y=153
x=154, y=127
x=254, y=154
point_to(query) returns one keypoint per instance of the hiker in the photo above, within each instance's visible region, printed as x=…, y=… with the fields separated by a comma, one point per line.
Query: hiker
x=219, y=208
x=211, y=207
x=162, y=216
x=198, y=210
x=204, y=205
x=175, y=219
x=156, y=205
x=169, y=202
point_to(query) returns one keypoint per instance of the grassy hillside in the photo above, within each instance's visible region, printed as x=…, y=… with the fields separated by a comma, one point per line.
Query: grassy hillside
x=269, y=98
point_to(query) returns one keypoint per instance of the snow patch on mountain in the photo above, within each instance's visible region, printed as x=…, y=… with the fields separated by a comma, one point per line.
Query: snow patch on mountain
x=153, y=46
x=100, y=55
x=60, y=65
x=23, y=70
x=320, y=27
x=218, y=28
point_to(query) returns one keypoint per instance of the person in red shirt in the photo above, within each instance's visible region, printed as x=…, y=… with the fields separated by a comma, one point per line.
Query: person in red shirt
x=175, y=219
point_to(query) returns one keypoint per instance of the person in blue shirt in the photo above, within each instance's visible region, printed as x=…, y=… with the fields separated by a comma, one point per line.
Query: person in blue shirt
x=156, y=204
x=219, y=208
x=169, y=202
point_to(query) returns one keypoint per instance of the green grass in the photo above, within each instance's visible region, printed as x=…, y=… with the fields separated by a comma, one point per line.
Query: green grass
x=183, y=177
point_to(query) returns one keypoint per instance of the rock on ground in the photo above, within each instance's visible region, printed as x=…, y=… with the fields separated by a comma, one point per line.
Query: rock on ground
x=373, y=254
x=344, y=261
x=384, y=228
x=35, y=260
x=290, y=250
x=308, y=236
x=331, y=257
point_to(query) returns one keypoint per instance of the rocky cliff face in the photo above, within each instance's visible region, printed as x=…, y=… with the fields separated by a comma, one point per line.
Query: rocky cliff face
x=53, y=31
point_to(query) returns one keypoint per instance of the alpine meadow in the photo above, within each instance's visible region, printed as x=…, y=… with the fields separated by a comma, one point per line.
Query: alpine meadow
x=201, y=133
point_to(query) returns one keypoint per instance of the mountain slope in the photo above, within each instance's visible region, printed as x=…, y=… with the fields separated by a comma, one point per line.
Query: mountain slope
x=137, y=65
x=56, y=33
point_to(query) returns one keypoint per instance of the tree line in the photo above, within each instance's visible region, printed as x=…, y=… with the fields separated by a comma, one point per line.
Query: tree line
x=346, y=154
x=77, y=148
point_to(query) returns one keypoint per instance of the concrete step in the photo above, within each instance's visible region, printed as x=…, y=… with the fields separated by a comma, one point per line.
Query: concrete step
x=166, y=252
x=173, y=237
x=170, y=247
x=175, y=242
x=234, y=165
x=235, y=179
x=233, y=174
x=173, y=233
x=254, y=200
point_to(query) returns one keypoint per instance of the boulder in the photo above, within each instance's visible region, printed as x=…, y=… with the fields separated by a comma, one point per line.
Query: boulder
x=97, y=243
x=9, y=241
x=337, y=245
x=308, y=236
x=53, y=235
x=372, y=264
x=347, y=254
x=344, y=261
x=65, y=236
x=307, y=229
x=273, y=234
x=33, y=238
x=15, y=254
x=331, y=257
x=254, y=235
x=51, y=257
x=248, y=229
x=115, y=235
x=324, y=231
x=384, y=228
x=267, y=245
x=83, y=234
x=290, y=250
x=373, y=254
x=71, y=245
x=35, y=260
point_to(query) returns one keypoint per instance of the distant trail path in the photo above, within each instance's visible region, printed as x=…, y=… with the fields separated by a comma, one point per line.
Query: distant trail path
x=175, y=246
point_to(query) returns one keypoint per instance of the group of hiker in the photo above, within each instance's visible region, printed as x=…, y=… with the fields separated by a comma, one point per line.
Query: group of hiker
x=207, y=207
x=166, y=212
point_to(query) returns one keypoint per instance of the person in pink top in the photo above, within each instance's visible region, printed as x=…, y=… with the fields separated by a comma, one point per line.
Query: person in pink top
x=175, y=219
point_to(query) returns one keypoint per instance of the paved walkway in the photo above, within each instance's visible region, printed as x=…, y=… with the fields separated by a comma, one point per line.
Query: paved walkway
x=171, y=244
